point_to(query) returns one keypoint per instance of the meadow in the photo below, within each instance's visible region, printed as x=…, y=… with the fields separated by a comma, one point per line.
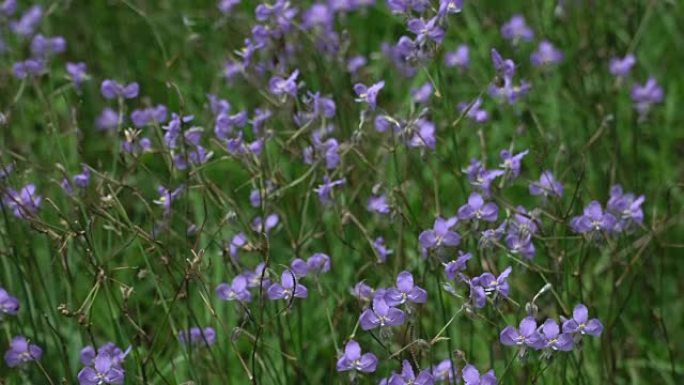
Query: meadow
x=341, y=192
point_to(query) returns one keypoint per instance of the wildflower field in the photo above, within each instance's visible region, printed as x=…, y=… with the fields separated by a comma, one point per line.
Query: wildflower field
x=341, y=192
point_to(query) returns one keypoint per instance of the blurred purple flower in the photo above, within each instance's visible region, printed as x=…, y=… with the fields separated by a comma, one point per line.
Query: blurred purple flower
x=552, y=338
x=21, y=351
x=489, y=285
x=287, y=288
x=511, y=163
x=280, y=86
x=29, y=67
x=226, y=6
x=526, y=334
x=368, y=95
x=444, y=372
x=423, y=134
x=626, y=207
x=42, y=46
x=197, y=336
x=382, y=251
x=408, y=376
x=166, y=197
x=151, y=115
x=260, y=225
x=108, y=120
x=646, y=95
x=110, y=89
x=405, y=291
x=622, y=67
x=355, y=63
x=459, y=58
x=237, y=291
x=28, y=22
x=352, y=359
x=473, y=111
x=546, y=54
x=480, y=177
x=440, y=234
x=381, y=315
x=471, y=376
x=454, y=267
x=77, y=73
x=593, y=220
x=8, y=304
x=477, y=209
x=378, y=204
x=449, y=7
x=580, y=323
x=426, y=30
x=546, y=186
x=325, y=190
x=516, y=29
x=422, y=94
x=23, y=203
x=105, y=370
x=8, y=7
x=363, y=292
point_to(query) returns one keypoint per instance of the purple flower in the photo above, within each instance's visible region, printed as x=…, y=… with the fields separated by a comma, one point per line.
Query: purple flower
x=459, y=58
x=8, y=7
x=454, y=267
x=8, y=304
x=382, y=251
x=254, y=278
x=318, y=263
x=29, y=67
x=473, y=112
x=225, y=6
x=352, y=359
x=166, y=197
x=489, y=285
x=21, y=351
x=368, y=95
x=23, y=203
x=405, y=291
x=325, y=190
x=260, y=225
x=593, y=220
x=477, y=209
x=42, y=46
x=363, y=292
x=547, y=186
x=449, y=6
x=422, y=94
x=546, y=54
x=239, y=240
x=355, y=63
x=444, y=372
x=151, y=115
x=552, y=338
x=480, y=177
x=105, y=370
x=471, y=376
x=287, y=288
x=237, y=291
x=626, y=208
x=644, y=96
x=440, y=234
x=524, y=223
x=318, y=15
x=108, y=120
x=299, y=267
x=378, y=204
x=490, y=237
x=526, y=334
x=511, y=163
x=516, y=29
x=110, y=89
x=423, y=134
x=622, y=67
x=88, y=353
x=280, y=86
x=503, y=86
x=197, y=336
x=27, y=24
x=521, y=244
x=426, y=30
x=408, y=376
x=580, y=323
x=77, y=73
x=381, y=314
x=79, y=180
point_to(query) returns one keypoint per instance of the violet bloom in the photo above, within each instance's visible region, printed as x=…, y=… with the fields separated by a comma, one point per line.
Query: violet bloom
x=352, y=359
x=105, y=370
x=453, y=268
x=280, y=86
x=626, y=207
x=646, y=95
x=378, y=204
x=521, y=244
x=511, y=163
x=21, y=351
x=325, y=190
x=151, y=115
x=477, y=209
x=408, y=376
x=526, y=334
x=552, y=338
x=110, y=89
x=503, y=86
x=237, y=291
x=473, y=111
x=480, y=177
x=489, y=285
x=580, y=323
x=88, y=354
x=368, y=95
x=405, y=291
x=77, y=73
x=524, y=223
x=516, y=29
x=299, y=267
x=546, y=54
x=8, y=304
x=384, y=123
x=381, y=314
x=108, y=120
x=79, y=180
x=287, y=288
x=197, y=336
x=593, y=220
x=166, y=197
x=318, y=263
x=449, y=7
x=471, y=376
x=444, y=372
x=422, y=94
x=547, y=186
x=363, y=292
x=440, y=235
x=382, y=251
x=355, y=63
x=42, y=46
x=622, y=67
x=423, y=134
x=236, y=243
x=8, y=7
x=28, y=22
x=490, y=237
x=29, y=67
x=459, y=58
x=426, y=30
x=260, y=225
x=225, y=6
x=258, y=277
x=23, y=203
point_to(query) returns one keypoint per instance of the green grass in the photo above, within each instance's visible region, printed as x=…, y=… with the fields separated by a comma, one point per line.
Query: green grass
x=88, y=270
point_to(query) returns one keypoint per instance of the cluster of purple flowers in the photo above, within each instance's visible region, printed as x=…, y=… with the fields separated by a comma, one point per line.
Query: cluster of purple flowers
x=103, y=365
x=622, y=213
